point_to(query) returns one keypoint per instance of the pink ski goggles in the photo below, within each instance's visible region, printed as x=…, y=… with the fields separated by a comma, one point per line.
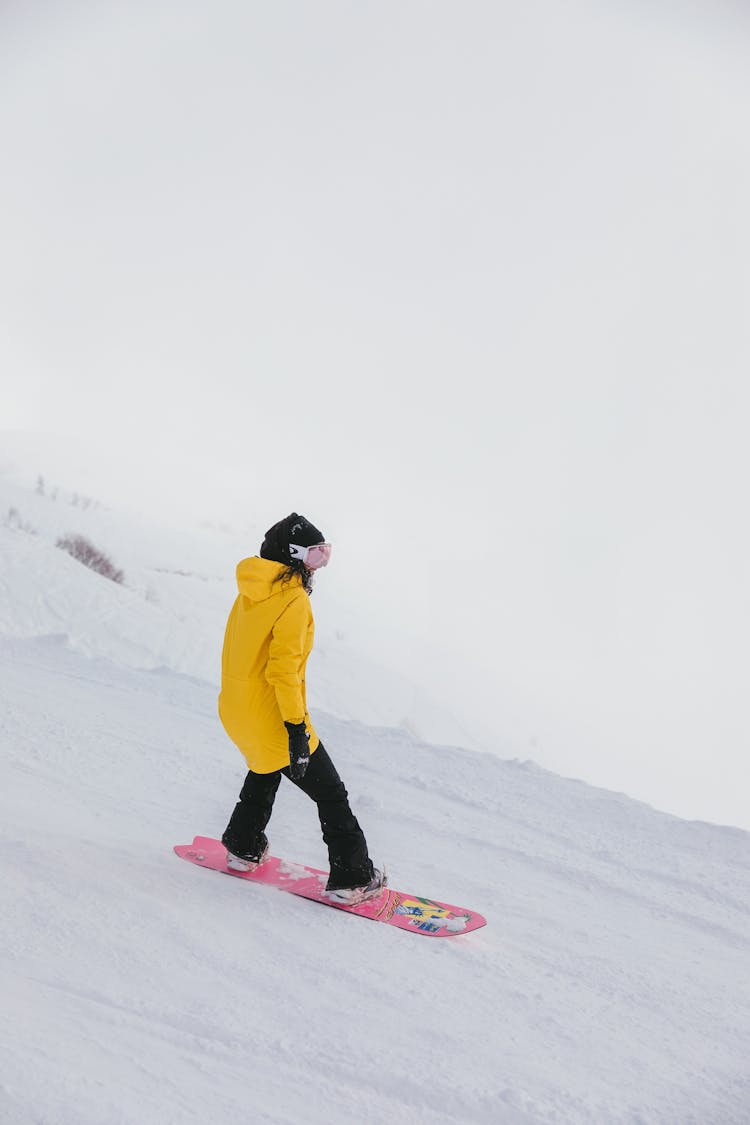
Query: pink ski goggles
x=313, y=557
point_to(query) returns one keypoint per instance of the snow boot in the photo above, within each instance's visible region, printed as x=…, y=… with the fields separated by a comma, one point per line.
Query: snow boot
x=352, y=896
x=246, y=862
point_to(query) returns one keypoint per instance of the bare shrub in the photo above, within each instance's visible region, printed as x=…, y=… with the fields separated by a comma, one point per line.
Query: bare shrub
x=85, y=552
x=15, y=521
x=79, y=501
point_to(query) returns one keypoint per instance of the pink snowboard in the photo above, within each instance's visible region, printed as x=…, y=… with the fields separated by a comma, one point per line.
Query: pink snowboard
x=421, y=915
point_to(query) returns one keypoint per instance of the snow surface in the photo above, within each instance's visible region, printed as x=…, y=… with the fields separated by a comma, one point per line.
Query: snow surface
x=610, y=985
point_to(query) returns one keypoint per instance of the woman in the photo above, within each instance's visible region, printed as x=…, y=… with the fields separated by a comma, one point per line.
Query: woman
x=263, y=708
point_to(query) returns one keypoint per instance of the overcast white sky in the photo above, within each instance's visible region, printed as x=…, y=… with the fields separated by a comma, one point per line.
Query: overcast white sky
x=466, y=283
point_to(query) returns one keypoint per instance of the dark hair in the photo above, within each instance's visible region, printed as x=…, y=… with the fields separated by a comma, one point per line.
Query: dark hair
x=296, y=566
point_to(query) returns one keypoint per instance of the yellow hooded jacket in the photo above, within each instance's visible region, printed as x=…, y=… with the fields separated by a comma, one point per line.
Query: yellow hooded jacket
x=268, y=638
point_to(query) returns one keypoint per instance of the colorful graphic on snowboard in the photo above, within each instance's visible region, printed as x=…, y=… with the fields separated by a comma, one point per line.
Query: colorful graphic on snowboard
x=407, y=912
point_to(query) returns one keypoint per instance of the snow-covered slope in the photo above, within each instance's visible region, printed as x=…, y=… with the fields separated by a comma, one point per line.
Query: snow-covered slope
x=610, y=984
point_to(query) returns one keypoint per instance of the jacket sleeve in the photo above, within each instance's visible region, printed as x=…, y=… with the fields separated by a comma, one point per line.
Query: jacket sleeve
x=285, y=660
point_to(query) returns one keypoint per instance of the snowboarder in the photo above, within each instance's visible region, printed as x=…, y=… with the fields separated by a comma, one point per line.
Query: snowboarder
x=263, y=709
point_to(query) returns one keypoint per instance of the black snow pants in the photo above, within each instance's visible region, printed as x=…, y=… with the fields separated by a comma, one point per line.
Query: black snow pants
x=350, y=864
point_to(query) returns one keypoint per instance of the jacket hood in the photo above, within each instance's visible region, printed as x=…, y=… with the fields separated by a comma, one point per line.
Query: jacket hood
x=255, y=578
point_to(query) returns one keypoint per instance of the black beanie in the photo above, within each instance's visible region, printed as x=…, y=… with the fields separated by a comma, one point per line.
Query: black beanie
x=293, y=529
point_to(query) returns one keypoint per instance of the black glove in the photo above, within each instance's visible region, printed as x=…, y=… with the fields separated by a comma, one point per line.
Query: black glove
x=299, y=750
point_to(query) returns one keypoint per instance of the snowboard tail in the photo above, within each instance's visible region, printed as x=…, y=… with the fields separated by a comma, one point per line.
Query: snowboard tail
x=406, y=912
